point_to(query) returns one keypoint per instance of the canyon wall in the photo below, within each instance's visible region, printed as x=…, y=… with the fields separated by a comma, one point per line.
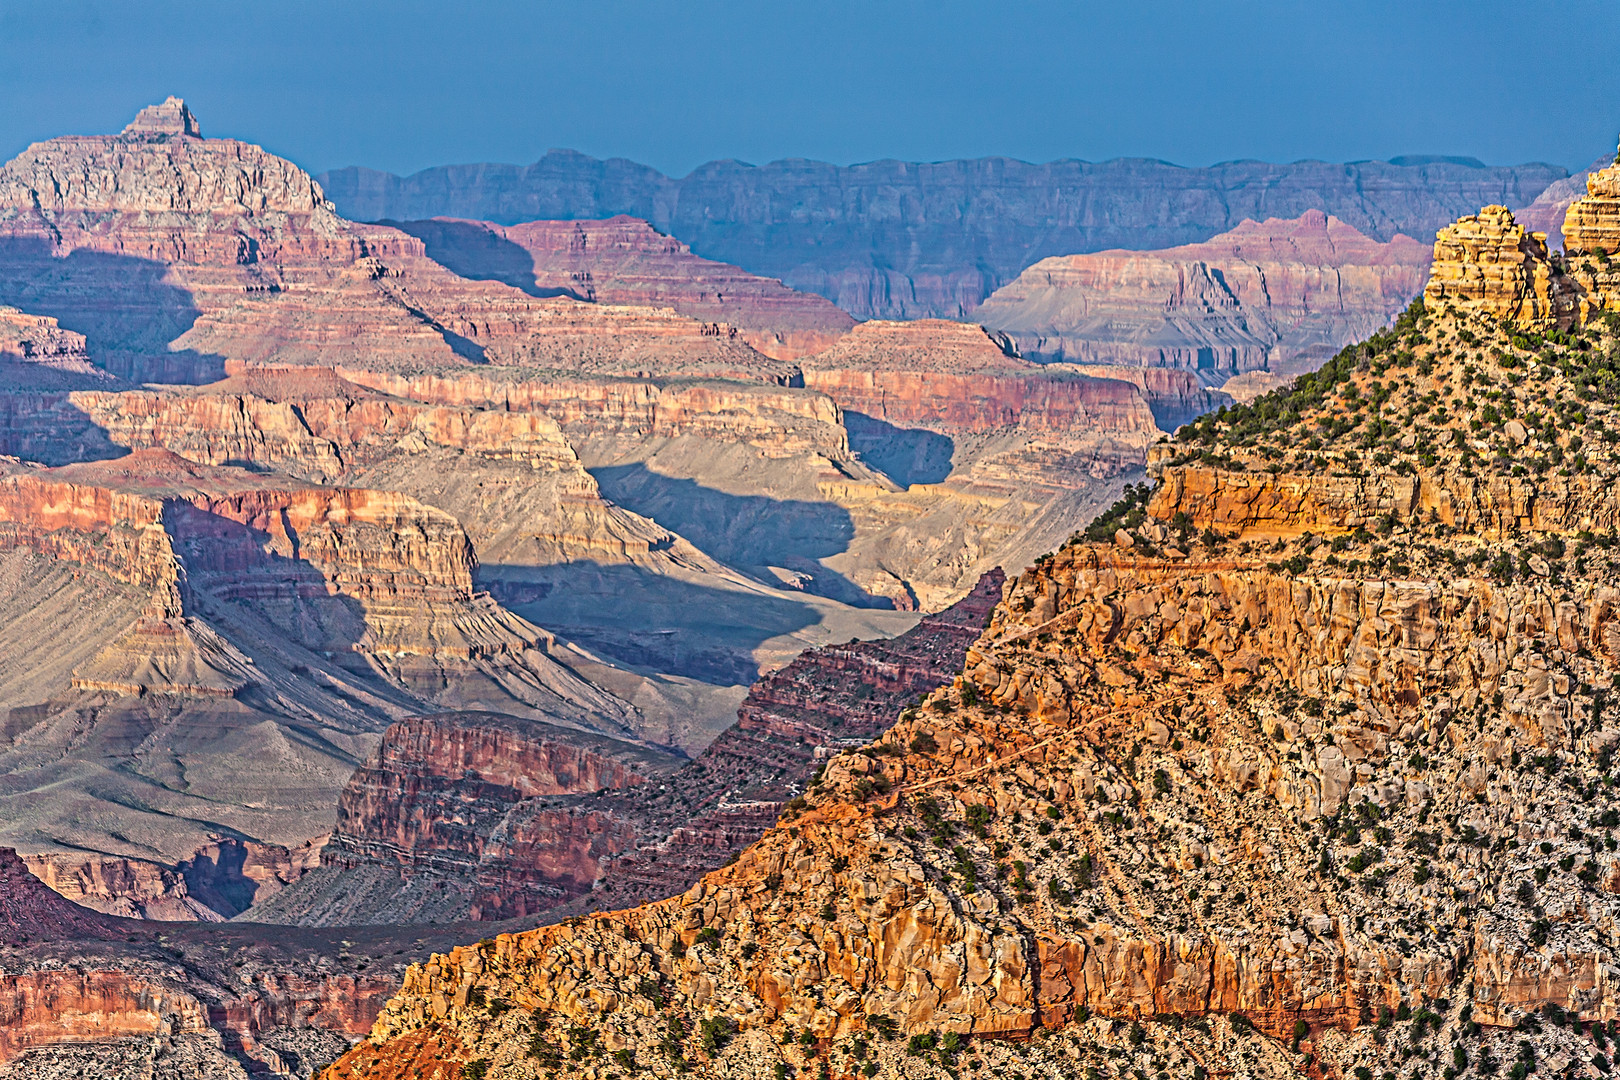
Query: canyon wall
x=626, y=261
x=903, y=240
x=1278, y=295
x=499, y=819
x=1263, y=787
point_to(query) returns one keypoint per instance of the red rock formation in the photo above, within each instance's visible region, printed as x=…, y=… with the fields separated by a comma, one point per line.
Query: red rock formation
x=49, y=1008
x=623, y=260
x=435, y=798
x=953, y=377
x=1275, y=295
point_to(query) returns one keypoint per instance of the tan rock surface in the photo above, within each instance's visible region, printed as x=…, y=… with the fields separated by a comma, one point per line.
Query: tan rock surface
x=1487, y=264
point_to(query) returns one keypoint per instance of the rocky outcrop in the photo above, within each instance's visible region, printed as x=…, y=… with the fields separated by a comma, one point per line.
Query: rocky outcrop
x=437, y=798
x=219, y=881
x=373, y=575
x=1487, y=264
x=1592, y=223
x=1279, y=294
x=40, y=340
x=623, y=260
x=174, y=252
x=903, y=240
x=208, y=999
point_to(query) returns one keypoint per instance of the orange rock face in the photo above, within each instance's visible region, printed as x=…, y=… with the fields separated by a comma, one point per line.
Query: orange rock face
x=1272, y=295
x=1487, y=264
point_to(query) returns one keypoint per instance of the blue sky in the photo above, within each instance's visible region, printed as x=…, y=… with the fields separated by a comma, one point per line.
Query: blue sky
x=407, y=84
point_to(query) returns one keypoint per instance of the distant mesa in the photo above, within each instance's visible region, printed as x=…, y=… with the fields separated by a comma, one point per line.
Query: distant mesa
x=171, y=117
x=905, y=240
x=624, y=260
x=1277, y=296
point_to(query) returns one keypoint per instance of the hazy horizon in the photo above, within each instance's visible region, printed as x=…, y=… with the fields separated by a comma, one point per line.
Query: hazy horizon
x=407, y=86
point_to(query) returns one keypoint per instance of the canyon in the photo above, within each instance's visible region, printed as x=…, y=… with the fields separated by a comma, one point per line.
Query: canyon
x=374, y=588
x=1297, y=759
x=905, y=240
x=83, y=993
x=477, y=815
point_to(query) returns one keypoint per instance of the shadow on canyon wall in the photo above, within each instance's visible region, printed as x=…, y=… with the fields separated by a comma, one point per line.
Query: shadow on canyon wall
x=753, y=533
x=123, y=306
x=905, y=455
x=479, y=254
x=657, y=622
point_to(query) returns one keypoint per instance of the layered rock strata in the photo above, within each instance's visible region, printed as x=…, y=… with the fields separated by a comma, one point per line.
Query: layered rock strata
x=905, y=240
x=486, y=816
x=999, y=457
x=218, y=881
x=1277, y=294
x=85, y=994
x=623, y=260
x=1487, y=264
x=1219, y=787
x=173, y=252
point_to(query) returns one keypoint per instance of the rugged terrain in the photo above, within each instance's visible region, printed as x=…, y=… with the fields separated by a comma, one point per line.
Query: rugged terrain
x=903, y=240
x=468, y=815
x=278, y=481
x=1276, y=297
x=84, y=994
x=624, y=260
x=1299, y=759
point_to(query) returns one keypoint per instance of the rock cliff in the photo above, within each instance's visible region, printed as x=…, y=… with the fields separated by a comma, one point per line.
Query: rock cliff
x=623, y=260
x=993, y=451
x=1293, y=761
x=481, y=815
x=1279, y=295
x=173, y=252
x=903, y=240
x=1486, y=263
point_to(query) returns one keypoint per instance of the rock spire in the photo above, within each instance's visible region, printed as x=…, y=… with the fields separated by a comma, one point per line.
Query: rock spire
x=171, y=117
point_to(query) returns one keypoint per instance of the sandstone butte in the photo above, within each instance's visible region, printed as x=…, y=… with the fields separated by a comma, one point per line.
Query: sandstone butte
x=624, y=260
x=1299, y=759
x=1277, y=297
